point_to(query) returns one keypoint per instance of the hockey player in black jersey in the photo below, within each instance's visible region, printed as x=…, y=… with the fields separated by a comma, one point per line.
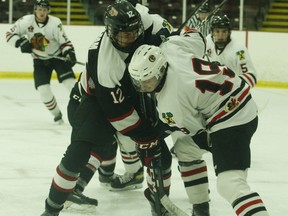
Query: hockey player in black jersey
x=109, y=103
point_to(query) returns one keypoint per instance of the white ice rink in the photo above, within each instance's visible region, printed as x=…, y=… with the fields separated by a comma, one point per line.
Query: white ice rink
x=31, y=147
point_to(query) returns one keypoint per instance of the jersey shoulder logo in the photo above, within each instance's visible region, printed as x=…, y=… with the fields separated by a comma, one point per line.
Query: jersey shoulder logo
x=241, y=55
x=167, y=25
x=30, y=28
x=168, y=117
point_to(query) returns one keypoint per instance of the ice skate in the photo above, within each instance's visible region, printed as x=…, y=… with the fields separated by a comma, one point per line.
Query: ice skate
x=48, y=213
x=105, y=180
x=128, y=181
x=76, y=197
x=58, y=119
x=201, y=209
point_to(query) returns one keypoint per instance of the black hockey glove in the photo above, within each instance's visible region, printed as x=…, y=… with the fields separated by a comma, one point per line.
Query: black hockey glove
x=148, y=150
x=24, y=44
x=70, y=56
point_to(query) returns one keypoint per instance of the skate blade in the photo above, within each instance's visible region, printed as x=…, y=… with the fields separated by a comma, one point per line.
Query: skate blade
x=130, y=187
x=74, y=207
x=59, y=122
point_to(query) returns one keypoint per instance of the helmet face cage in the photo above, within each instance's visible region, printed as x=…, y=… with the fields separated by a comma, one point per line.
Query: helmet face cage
x=123, y=18
x=222, y=23
x=147, y=68
x=42, y=4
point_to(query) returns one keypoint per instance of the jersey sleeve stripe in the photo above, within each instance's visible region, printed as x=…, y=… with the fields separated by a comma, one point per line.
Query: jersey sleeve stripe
x=223, y=113
x=126, y=122
x=251, y=81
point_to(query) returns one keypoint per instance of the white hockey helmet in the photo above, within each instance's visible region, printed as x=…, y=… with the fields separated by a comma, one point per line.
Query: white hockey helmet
x=147, y=67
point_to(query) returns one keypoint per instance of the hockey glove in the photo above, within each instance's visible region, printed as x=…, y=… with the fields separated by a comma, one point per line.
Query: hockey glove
x=24, y=44
x=70, y=56
x=148, y=150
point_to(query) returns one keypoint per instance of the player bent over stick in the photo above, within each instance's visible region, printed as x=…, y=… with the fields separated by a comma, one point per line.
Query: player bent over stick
x=109, y=103
x=202, y=97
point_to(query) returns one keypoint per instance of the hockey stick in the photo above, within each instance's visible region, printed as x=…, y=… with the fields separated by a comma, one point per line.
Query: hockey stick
x=148, y=108
x=192, y=14
x=211, y=14
x=45, y=55
x=159, y=193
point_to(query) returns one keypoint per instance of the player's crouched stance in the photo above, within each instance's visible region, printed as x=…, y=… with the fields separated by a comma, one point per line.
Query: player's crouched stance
x=199, y=95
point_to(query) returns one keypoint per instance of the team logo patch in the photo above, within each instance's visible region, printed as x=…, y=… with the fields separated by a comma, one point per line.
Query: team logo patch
x=231, y=104
x=168, y=117
x=241, y=55
x=60, y=26
x=209, y=52
x=113, y=12
x=30, y=29
x=39, y=42
x=152, y=58
x=167, y=25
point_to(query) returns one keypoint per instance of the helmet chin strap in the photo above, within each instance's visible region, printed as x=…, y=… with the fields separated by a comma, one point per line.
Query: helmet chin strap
x=163, y=79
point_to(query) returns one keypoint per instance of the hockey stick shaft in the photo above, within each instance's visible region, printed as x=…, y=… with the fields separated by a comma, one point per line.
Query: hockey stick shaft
x=192, y=14
x=159, y=188
x=66, y=59
x=45, y=55
x=212, y=13
x=148, y=107
x=160, y=192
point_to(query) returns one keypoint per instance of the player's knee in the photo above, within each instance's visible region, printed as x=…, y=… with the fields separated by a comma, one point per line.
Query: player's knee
x=45, y=92
x=69, y=83
x=187, y=150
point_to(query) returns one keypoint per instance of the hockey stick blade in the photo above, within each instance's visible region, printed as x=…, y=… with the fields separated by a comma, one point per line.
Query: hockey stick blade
x=164, y=199
x=171, y=207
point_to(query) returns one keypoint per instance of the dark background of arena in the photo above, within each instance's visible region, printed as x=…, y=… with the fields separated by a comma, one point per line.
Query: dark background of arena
x=253, y=16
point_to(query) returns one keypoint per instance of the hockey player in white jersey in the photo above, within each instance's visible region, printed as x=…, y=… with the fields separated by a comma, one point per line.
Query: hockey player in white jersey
x=223, y=48
x=43, y=36
x=195, y=96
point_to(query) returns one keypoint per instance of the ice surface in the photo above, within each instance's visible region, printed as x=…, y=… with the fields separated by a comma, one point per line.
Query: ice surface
x=31, y=147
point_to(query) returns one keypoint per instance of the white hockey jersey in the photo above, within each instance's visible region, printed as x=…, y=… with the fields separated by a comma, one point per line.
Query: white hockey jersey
x=48, y=39
x=200, y=95
x=235, y=56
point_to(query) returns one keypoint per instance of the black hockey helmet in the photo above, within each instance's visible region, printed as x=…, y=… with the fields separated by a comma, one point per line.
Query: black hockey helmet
x=122, y=17
x=42, y=3
x=204, y=9
x=221, y=22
